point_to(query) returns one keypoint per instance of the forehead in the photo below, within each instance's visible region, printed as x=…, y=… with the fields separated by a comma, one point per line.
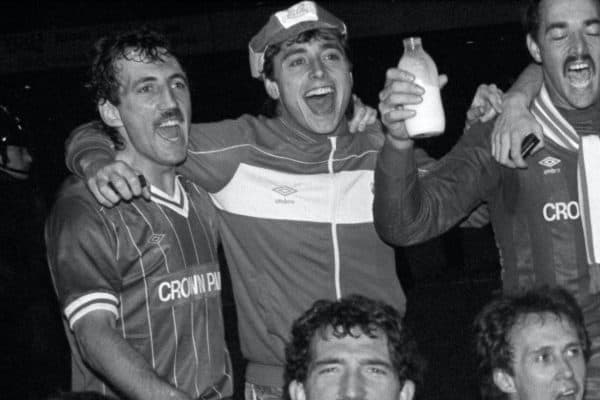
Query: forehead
x=314, y=44
x=534, y=331
x=359, y=346
x=138, y=66
x=567, y=11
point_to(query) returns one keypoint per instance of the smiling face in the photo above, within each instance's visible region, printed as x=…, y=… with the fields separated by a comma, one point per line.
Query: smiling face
x=548, y=360
x=568, y=46
x=357, y=368
x=153, y=114
x=313, y=83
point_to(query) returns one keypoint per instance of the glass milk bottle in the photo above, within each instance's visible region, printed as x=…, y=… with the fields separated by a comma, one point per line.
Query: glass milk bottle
x=429, y=117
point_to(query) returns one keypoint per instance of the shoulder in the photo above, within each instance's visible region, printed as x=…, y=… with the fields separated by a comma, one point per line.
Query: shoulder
x=74, y=207
x=231, y=126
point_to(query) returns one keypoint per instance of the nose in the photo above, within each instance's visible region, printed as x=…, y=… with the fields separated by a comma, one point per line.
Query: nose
x=353, y=386
x=316, y=68
x=566, y=369
x=168, y=99
x=579, y=45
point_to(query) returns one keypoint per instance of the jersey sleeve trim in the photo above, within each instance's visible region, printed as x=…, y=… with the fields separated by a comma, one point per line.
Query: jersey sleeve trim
x=91, y=302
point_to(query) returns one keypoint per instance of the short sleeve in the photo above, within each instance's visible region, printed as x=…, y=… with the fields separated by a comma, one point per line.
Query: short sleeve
x=81, y=254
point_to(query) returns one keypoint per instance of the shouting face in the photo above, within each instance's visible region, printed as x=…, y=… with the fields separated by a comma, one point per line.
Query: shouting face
x=154, y=111
x=313, y=83
x=567, y=45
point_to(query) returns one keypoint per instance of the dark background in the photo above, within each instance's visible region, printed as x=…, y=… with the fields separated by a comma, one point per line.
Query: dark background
x=447, y=280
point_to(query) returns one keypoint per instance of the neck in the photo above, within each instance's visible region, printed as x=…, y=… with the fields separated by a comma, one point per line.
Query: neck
x=585, y=121
x=159, y=176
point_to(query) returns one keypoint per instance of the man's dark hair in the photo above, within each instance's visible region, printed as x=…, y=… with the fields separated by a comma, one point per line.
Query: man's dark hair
x=143, y=44
x=531, y=18
x=494, y=324
x=371, y=317
x=270, y=106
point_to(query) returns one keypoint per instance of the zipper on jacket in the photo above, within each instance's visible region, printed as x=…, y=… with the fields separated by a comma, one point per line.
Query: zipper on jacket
x=333, y=197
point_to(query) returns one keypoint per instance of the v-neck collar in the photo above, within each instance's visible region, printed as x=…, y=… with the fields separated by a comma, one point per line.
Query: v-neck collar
x=178, y=202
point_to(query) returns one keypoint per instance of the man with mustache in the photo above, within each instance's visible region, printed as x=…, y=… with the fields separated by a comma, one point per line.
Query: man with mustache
x=545, y=216
x=139, y=284
x=532, y=346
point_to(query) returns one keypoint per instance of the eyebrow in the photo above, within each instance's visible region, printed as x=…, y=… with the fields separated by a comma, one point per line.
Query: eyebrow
x=288, y=53
x=330, y=44
x=366, y=361
x=545, y=348
x=144, y=79
x=563, y=25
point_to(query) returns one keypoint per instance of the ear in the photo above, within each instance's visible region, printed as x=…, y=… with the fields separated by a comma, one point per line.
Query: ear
x=272, y=89
x=504, y=381
x=534, y=49
x=408, y=390
x=296, y=391
x=110, y=114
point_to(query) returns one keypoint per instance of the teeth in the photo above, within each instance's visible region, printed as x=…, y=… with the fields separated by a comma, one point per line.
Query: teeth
x=168, y=123
x=319, y=91
x=578, y=66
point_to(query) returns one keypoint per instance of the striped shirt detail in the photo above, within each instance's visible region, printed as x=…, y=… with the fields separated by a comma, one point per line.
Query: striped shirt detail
x=162, y=282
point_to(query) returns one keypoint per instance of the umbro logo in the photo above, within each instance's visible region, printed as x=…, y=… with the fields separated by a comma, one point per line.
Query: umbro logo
x=284, y=190
x=156, y=238
x=549, y=162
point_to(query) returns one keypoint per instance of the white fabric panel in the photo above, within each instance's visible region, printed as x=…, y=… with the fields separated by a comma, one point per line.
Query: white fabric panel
x=264, y=193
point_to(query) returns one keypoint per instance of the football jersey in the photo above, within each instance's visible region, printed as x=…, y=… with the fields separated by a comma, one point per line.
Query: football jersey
x=153, y=264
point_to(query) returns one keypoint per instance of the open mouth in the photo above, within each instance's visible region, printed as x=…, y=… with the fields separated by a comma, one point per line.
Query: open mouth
x=169, y=130
x=568, y=394
x=320, y=100
x=579, y=73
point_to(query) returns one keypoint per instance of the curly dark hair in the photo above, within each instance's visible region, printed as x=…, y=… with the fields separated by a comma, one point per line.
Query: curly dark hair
x=137, y=44
x=270, y=106
x=371, y=317
x=494, y=324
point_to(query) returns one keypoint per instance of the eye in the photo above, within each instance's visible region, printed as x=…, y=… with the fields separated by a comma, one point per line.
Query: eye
x=557, y=34
x=296, y=62
x=544, y=357
x=333, y=56
x=593, y=29
x=574, y=351
x=146, y=88
x=179, y=85
x=375, y=370
x=330, y=369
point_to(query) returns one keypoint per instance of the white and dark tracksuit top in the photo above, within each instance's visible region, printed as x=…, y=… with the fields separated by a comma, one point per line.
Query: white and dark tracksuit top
x=154, y=265
x=296, y=223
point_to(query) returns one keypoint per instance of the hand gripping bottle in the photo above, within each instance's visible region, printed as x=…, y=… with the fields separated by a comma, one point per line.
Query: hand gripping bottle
x=429, y=119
